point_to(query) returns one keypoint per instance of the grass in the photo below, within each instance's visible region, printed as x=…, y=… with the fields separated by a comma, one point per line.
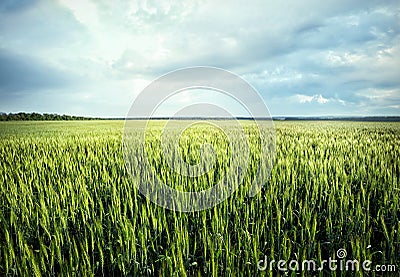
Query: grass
x=68, y=205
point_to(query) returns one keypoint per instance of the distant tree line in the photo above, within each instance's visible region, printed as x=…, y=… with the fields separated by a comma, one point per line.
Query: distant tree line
x=37, y=116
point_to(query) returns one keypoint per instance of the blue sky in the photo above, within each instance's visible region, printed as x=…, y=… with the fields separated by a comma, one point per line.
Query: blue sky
x=93, y=58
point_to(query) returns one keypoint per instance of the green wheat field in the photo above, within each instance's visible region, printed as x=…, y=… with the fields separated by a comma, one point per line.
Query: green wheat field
x=69, y=207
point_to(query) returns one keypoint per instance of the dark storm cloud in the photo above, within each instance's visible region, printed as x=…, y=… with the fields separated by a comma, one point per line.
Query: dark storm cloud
x=15, y=5
x=22, y=73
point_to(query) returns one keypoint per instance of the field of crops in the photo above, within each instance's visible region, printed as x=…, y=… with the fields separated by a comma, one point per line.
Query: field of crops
x=68, y=205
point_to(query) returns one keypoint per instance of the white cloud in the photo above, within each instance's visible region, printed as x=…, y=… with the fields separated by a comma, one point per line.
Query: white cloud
x=84, y=11
x=302, y=98
x=320, y=99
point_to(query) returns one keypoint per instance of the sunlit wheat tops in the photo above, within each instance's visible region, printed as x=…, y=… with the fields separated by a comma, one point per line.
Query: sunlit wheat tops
x=69, y=206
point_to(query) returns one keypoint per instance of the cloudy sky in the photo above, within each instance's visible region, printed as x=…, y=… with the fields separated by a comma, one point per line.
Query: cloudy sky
x=93, y=58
